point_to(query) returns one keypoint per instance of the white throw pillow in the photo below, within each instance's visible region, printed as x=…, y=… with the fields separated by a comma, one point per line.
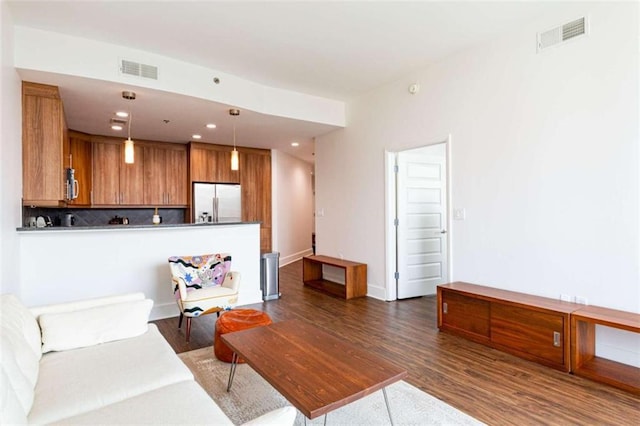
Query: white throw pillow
x=88, y=327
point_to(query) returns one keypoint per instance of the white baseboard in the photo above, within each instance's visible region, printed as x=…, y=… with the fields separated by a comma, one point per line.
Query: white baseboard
x=165, y=310
x=376, y=292
x=293, y=257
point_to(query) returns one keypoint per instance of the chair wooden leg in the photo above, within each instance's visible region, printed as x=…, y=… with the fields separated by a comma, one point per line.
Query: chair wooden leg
x=180, y=321
x=188, y=328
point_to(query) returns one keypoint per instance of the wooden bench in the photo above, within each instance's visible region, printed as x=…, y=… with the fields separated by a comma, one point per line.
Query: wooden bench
x=584, y=361
x=355, y=276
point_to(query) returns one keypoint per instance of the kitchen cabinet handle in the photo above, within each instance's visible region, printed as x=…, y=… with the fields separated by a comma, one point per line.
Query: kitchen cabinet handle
x=556, y=339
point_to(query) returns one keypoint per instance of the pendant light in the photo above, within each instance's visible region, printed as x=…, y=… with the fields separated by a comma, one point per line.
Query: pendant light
x=128, y=144
x=235, y=162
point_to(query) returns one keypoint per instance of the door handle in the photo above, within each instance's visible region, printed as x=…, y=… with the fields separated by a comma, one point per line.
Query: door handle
x=444, y=231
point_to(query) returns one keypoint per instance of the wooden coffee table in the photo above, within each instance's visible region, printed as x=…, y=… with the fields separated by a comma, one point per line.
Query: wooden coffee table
x=315, y=371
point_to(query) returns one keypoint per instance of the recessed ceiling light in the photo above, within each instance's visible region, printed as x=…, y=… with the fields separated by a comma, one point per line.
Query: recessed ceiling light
x=295, y=144
x=116, y=127
x=211, y=126
x=196, y=136
x=122, y=114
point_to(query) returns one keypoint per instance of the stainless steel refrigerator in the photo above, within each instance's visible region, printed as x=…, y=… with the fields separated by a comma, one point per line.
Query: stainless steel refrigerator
x=216, y=202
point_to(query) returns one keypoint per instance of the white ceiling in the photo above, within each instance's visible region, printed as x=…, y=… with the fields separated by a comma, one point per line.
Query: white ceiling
x=336, y=50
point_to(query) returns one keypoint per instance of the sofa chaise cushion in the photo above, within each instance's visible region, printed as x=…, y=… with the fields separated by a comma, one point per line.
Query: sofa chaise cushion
x=158, y=407
x=100, y=375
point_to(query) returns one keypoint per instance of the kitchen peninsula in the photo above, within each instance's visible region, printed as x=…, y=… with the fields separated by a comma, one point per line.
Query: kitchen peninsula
x=112, y=259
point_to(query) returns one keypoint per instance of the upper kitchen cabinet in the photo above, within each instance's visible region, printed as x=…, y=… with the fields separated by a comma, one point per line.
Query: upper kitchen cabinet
x=165, y=175
x=45, y=146
x=211, y=163
x=114, y=182
x=80, y=159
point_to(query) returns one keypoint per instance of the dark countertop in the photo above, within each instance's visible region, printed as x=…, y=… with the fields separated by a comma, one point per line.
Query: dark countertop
x=125, y=227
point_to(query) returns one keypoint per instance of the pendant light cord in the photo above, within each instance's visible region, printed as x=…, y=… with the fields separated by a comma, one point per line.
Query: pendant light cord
x=129, y=131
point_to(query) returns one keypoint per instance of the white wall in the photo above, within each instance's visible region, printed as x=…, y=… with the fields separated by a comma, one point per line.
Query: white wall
x=544, y=160
x=292, y=203
x=64, y=265
x=10, y=157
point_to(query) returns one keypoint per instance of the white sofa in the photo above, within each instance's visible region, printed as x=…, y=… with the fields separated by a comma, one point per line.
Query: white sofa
x=98, y=361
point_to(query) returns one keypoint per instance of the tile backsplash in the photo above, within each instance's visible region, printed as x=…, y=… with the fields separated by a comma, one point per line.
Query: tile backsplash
x=101, y=217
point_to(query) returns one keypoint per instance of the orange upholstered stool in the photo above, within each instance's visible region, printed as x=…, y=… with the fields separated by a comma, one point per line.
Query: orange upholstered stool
x=236, y=320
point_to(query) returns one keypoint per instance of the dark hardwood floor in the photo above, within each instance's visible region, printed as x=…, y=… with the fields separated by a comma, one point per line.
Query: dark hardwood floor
x=494, y=387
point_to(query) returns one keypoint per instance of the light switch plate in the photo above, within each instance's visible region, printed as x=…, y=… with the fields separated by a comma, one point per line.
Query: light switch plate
x=459, y=214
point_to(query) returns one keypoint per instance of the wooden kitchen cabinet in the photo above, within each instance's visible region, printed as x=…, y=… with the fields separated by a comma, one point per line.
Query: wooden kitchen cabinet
x=114, y=182
x=200, y=167
x=531, y=327
x=106, y=173
x=211, y=163
x=132, y=178
x=165, y=175
x=177, y=176
x=80, y=159
x=44, y=145
x=255, y=181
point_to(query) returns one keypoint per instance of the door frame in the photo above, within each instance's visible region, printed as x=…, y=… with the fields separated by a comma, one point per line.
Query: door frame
x=390, y=202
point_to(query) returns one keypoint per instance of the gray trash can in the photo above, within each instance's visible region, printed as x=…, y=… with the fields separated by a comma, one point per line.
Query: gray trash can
x=269, y=277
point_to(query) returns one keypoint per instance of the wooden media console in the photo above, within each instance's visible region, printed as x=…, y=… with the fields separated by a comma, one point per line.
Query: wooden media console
x=531, y=327
x=554, y=333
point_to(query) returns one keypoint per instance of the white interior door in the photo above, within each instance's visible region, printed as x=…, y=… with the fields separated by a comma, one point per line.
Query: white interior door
x=422, y=219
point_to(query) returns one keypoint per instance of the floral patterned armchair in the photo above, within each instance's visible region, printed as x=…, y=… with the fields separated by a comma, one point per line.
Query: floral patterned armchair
x=203, y=285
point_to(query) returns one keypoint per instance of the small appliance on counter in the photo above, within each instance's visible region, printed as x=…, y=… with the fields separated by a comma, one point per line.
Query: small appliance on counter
x=43, y=221
x=69, y=220
x=117, y=220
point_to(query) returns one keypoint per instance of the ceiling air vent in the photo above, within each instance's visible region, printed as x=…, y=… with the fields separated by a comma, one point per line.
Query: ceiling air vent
x=560, y=34
x=138, y=70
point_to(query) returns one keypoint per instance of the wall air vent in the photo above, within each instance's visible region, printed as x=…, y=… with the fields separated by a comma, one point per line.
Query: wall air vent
x=138, y=70
x=558, y=35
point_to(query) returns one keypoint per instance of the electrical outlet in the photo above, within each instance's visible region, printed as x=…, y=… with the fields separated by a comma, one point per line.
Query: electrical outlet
x=566, y=298
x=582, y=300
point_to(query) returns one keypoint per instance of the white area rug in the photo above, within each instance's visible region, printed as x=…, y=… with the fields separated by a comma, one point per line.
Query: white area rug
x=251, y=396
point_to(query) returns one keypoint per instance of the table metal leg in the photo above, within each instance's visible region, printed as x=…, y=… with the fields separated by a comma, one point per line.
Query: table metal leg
x=232, y=371
x=386, y=401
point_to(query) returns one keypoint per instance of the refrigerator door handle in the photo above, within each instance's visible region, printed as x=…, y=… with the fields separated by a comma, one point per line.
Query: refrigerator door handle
x=215, y=209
